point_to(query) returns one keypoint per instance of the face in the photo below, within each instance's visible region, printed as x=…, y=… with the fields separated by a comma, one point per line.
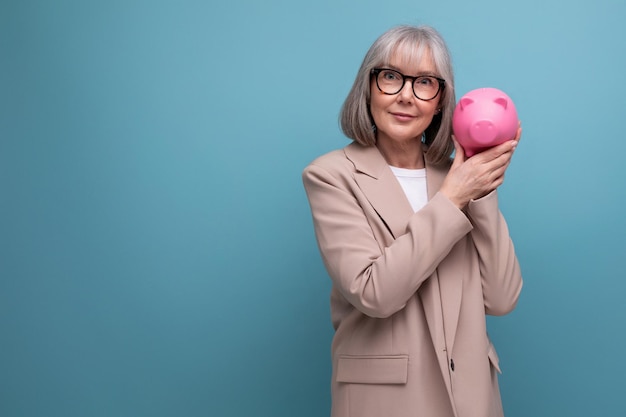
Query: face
x=402, y=117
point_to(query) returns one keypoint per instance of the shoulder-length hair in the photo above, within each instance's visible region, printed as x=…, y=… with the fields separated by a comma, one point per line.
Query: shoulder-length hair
x=411, y=42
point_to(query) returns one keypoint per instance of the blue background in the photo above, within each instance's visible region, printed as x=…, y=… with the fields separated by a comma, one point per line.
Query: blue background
x=157, y=256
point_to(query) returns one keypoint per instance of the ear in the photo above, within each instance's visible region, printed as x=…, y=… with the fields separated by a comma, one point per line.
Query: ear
x=465, y=101
x=502, y=101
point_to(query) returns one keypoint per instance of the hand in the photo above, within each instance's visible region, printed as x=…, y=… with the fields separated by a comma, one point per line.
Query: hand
x=475, y=177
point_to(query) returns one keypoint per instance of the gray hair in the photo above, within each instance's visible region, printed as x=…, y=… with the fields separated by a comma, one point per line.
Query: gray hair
x=355, y=118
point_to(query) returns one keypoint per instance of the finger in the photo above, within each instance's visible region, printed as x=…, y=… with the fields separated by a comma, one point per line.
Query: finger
x=498, y=164
x=496, y=151
x=503, y=160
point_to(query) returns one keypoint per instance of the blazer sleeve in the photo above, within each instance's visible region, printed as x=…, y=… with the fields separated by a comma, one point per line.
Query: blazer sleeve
x=377, y=279
x=499, y=267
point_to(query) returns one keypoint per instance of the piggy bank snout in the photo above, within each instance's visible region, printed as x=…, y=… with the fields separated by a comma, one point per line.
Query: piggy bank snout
x=483, y=132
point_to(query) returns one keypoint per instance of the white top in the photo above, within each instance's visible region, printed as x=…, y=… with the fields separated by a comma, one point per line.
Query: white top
x=413, y=182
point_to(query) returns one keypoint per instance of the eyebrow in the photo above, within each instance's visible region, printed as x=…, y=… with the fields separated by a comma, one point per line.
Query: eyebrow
x=419, y=74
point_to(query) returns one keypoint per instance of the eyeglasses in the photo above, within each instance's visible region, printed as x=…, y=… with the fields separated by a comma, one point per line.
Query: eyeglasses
x=425, y=87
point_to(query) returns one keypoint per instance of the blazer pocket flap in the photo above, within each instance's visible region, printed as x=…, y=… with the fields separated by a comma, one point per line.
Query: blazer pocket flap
x=388, y=369
x=493, y=358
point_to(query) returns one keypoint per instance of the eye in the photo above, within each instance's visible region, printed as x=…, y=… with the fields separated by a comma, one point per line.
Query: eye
x=425, y=81
x=389, y=75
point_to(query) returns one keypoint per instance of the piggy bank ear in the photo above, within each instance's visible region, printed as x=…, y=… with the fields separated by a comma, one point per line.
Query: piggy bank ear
x=502, y=101
x=465, y=101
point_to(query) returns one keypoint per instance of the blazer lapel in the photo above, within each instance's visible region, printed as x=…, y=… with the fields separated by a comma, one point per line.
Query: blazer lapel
x=450, y=283
x=380, y=186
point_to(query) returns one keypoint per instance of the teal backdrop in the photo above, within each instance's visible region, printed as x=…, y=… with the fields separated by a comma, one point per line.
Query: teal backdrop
x=157, y=256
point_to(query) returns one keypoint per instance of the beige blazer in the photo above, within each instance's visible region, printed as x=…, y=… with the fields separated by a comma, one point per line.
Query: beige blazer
x=410, y=290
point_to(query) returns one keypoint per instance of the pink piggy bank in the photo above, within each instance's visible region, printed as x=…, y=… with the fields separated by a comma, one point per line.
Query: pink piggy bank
x=483, y=118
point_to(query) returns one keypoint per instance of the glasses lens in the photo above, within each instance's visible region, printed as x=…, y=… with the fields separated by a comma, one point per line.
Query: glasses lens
x=425, y=87
x=389, y=81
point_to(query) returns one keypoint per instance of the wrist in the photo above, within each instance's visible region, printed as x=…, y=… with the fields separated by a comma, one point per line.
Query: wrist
x=458, y=202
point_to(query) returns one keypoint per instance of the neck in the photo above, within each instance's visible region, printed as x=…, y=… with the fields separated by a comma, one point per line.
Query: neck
x=403, y=155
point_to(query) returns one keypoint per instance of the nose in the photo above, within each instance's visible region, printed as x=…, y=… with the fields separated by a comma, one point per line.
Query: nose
x=406, y=92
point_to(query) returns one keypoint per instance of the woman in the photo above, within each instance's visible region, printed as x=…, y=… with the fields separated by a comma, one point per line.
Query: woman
x=414, y=242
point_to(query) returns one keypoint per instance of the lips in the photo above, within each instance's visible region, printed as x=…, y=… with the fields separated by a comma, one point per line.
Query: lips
x=402, y=116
